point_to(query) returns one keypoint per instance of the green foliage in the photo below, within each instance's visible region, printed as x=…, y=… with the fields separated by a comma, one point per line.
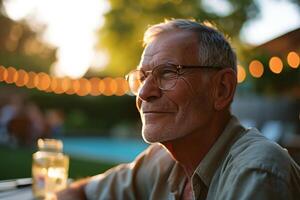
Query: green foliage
x=21, y=47
x=127, y=20
x=91, y=114
x=76, y=119
x=16, y=163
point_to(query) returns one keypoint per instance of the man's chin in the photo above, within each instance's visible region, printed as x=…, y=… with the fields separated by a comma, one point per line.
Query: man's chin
x=150, y=139
x=152, y=135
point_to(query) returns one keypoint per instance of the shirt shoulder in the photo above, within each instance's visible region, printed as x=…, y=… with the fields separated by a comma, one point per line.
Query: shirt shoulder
x=254, y=151
x=256, y=168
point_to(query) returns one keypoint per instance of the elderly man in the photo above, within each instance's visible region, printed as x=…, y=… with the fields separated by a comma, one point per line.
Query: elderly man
x=184, y=85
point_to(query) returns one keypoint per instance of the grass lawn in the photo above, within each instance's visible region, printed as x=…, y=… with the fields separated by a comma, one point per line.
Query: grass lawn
x=16, y=163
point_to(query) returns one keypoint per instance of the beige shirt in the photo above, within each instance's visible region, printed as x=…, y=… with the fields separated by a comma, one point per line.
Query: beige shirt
x=241, y=165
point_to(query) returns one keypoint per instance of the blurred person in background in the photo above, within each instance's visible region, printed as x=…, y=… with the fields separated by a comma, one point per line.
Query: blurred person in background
x=27, y=126
x=184, y=86
x=38, y=127
x=55, y=122
x=7, y=113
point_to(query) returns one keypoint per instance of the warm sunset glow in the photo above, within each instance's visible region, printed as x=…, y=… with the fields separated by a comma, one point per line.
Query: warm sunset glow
x=275, y=65
x=241, y=74
x=293, y=59
x=70, y=25
x=256, y=68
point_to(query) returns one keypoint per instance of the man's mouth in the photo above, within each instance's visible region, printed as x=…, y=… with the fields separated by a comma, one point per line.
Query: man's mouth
x=156, y=112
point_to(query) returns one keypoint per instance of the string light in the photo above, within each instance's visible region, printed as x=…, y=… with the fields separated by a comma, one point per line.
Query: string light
x=3, y=73
x=241, y=74
x=11, y=75
x=31, y=77
x=256, y=68
x=59, y=89
x=275, y=65
x=84, y=87
x=73, y=87
x=22, y=78
x=53, y=84
x=42, y=81
x=293, y=59
x=118, y=86
x=95, y=86
x=65, y=84
x=122, y=88
x=110, y=86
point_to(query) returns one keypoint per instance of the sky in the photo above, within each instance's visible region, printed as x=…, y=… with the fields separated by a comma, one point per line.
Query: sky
x=74, y=30
x=277, y=17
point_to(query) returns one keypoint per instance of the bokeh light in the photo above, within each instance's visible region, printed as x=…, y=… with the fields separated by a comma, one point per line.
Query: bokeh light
x=11, y=75
x=22, y=78
x=275, y=65
x=58, y=85
x=293, y=59
x=122, y=86
x=65, y=84
x=42, y=81
x=241, y=74
x=74, y=86
x=31, y=77
x=84, y=87
x=110, y=86
x=95, y=89
x=3, y=73
x=256, y=68
x=53, y=84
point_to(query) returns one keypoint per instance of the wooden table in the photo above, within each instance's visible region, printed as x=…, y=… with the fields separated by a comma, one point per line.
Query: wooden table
x=17, y=194
x=16, y=189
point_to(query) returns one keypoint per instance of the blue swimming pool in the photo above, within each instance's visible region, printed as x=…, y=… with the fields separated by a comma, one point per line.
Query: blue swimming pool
x=114, y=150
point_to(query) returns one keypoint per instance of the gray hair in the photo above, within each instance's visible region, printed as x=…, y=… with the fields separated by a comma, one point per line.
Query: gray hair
x=214, y=49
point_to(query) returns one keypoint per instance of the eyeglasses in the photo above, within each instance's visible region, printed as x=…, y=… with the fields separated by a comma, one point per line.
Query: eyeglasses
x=165, y=76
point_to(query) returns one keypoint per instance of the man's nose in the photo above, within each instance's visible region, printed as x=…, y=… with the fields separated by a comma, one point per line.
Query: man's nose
x=150, y=90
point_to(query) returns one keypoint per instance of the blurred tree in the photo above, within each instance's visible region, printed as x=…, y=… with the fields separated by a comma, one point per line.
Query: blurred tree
x=20, y=46
x=127, y=20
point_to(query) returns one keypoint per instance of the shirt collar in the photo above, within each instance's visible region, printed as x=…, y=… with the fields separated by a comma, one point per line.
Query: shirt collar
x=212, y=160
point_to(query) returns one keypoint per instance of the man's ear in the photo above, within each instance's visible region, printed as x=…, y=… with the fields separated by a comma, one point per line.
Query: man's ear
x=225, y=84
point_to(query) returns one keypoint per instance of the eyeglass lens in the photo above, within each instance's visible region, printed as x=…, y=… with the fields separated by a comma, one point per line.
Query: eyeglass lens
x=164, y=76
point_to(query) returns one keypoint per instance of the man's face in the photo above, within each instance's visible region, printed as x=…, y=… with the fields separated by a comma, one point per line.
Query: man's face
x=187, y=108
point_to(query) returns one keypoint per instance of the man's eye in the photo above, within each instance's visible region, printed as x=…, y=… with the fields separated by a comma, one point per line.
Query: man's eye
x=142, y=78
x=168, y=73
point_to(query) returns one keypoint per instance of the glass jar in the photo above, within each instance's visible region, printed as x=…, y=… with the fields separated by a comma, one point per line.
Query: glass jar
x=49, y=168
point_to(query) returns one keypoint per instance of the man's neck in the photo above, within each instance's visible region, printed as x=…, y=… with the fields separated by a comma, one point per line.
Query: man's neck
x=191, y=149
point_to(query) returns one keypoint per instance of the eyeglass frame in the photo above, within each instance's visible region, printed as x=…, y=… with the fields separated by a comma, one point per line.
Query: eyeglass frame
x=178, y=68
